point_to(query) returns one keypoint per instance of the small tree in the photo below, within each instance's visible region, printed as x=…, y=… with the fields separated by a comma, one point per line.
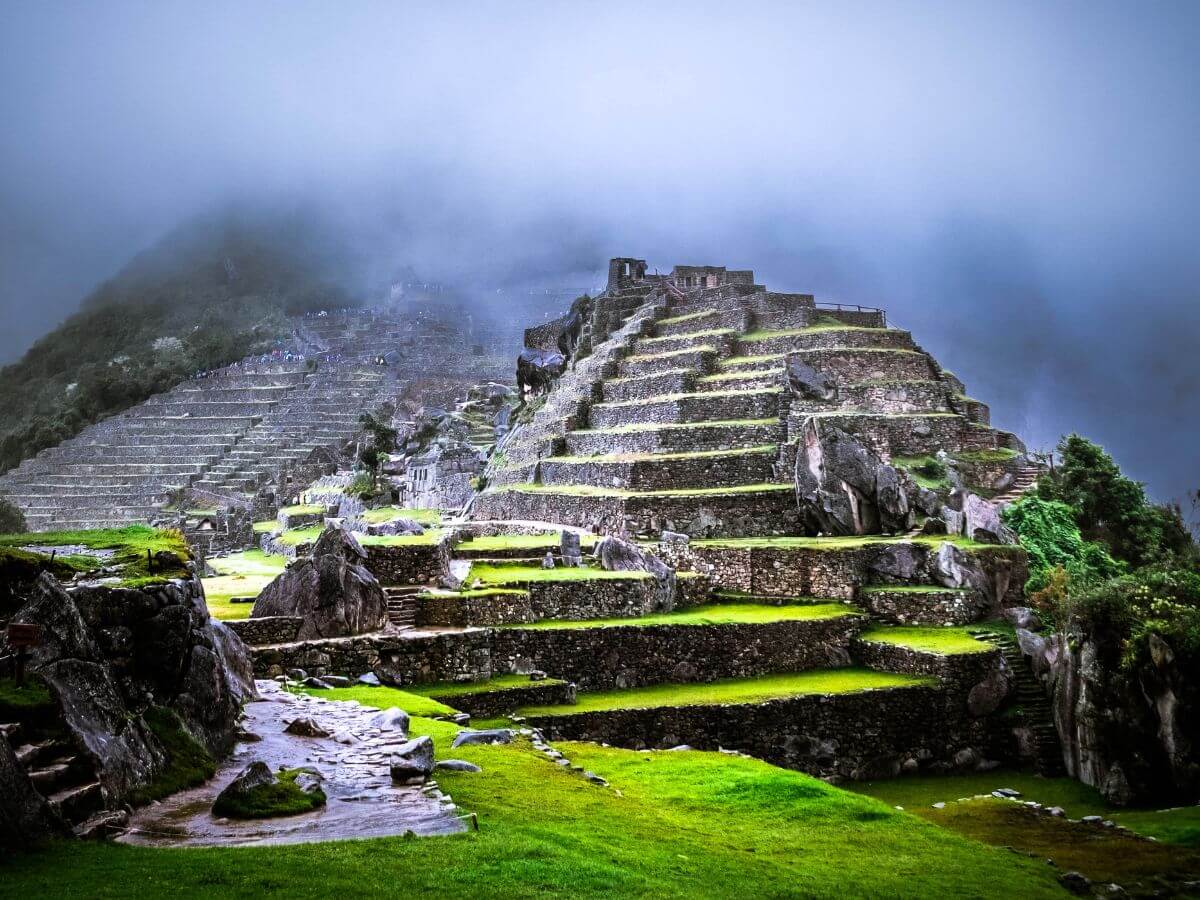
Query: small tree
x=12, y=520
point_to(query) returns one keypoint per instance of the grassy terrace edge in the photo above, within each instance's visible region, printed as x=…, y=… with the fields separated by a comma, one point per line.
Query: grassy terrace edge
x=736, y=691
x=708, y=614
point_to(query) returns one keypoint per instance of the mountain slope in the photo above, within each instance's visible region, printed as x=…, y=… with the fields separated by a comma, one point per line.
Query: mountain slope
x=210, y=292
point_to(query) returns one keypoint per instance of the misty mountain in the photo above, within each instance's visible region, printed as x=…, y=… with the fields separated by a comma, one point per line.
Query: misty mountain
x=212, y=291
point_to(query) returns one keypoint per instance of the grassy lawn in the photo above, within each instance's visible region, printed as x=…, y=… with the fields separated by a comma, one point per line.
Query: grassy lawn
x=384, y=698
x=712, y=614
x=482, y=592
x=676, y=426
x=760, y=450
x=671, y=825
x=302, y=509
x=945, y=641
x=1002, y=454
x=387, y=513
x=710, y=332
x=296, y=536
x=735, y=690
x=547, y=540
x=18, y=701
x=927, y=471
x=447, y=690
x=587, y=490
x=243, y=574
x=493, y=574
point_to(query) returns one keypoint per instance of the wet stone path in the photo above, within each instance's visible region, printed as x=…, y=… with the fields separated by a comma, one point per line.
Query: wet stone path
x=362, y=800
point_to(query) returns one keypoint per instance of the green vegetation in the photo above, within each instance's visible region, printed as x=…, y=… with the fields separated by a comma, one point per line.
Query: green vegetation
x=294, y=537
x=188, y=763
x=210, y=293
x=134, y=545
x=628, y=378
x=387, y=513
x=675, y=320
x=267, y=526
x=735, y=691
x=998, y=455
x=643, y=357
x=469, y=594
x=732, y=362
x=487, y=573
x=927, y=471
x=712, y=614
x=303, y=509
x=850, y=543
x=282, y=798
x=747, y=375
x=1048, y=532
x=692, y=335
x=448, y=690
x=31, y=697
x=943, y=641
x=413, y=703
x=735, y=827
x=243, y=574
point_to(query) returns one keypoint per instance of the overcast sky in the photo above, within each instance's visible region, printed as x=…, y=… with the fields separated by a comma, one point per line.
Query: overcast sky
x=1016, y=182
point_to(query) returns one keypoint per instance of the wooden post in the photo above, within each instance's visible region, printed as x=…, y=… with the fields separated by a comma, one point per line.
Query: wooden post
x=21, y=637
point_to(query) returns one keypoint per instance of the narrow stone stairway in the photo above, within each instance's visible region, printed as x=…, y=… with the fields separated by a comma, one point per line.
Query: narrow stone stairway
x=1034, y=704
x=1025, y=479
x=402, y=604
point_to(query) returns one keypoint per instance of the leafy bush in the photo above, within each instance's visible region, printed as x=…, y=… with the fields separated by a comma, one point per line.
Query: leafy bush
x=362, y=485
x=1053, y=541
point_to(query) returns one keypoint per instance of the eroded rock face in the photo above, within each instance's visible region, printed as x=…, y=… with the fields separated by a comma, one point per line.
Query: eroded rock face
x=109, y=654
x=982, y=522
x=617, y=555
x=844, y=488
x=806, y=382
x=331, y=590
x=413, y=760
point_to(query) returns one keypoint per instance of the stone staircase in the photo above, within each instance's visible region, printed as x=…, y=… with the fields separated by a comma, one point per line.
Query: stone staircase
x=58, y=769
x=1024, y=480
x=402, y=605
x=1032, y=702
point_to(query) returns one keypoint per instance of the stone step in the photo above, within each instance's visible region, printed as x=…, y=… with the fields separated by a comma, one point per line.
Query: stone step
x=679, y=408
x=77, y=802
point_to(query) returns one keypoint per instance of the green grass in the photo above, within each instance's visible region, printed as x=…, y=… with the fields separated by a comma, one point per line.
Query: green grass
x=447, y=690
x=499, y=574
x=495, y=542
x=303, y=509
x=381, y=697
x=188, y=762
x=943, y=641
x=243, y=574
x=294, y=537
x=266, y=527
x=484, y=592
x=667, y=426
x=587, y=490
x=629, y=378
x=131, y=544
x=711, y=614
x=642, y=357
x=675, y=320
x=672, y=825
x=733, y=361
x=268, y=801
x=421, y=516
x=763, y=335
x=739, y=376
x=710, y=332
x=671, y=398
x=1002, y=454
x=927, y=471
x=761, y=449
x=17, y=702
x=735, y=691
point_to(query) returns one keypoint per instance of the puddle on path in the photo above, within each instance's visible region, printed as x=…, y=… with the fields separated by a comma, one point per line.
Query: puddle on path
x=363, y=802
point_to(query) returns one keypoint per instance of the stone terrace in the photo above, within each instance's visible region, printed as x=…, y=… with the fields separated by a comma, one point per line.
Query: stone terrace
x=683, y=420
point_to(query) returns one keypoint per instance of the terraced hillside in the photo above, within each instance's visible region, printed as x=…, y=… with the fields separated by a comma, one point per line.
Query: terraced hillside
x=222, y=435
x=684, y=420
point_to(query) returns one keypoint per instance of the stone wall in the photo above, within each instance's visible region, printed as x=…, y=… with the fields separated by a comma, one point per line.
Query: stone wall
x=408, y=563
x=896, y=435
x=958, y=672
x=490, y=704
x=267, y=629
x=697, y=407
x=665, y=440
x=663, y=474
x=632, y=655
x=861, y=364
x=865, y=735
x=941, y=607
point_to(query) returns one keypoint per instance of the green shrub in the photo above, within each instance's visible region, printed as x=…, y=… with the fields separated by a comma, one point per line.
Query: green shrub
x=188, y=762
x=1053, y=541
x=283, y=798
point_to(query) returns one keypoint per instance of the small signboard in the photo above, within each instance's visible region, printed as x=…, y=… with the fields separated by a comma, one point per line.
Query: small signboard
x=22, y=636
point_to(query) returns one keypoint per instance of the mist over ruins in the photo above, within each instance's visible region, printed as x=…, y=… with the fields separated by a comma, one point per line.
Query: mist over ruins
x=514, y=450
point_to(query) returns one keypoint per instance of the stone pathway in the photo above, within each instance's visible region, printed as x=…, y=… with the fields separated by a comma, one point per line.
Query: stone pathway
x=362, y=803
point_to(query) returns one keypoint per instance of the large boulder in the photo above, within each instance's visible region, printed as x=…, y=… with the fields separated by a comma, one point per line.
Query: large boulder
x=413, y=760
x=618, y=555
x=25, y=817
x=844, y=488
x=331, y=591
x=982, y=522
x=806, y=382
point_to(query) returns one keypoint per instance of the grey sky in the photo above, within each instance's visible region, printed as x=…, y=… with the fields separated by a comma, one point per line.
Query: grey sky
x=1016, y=182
